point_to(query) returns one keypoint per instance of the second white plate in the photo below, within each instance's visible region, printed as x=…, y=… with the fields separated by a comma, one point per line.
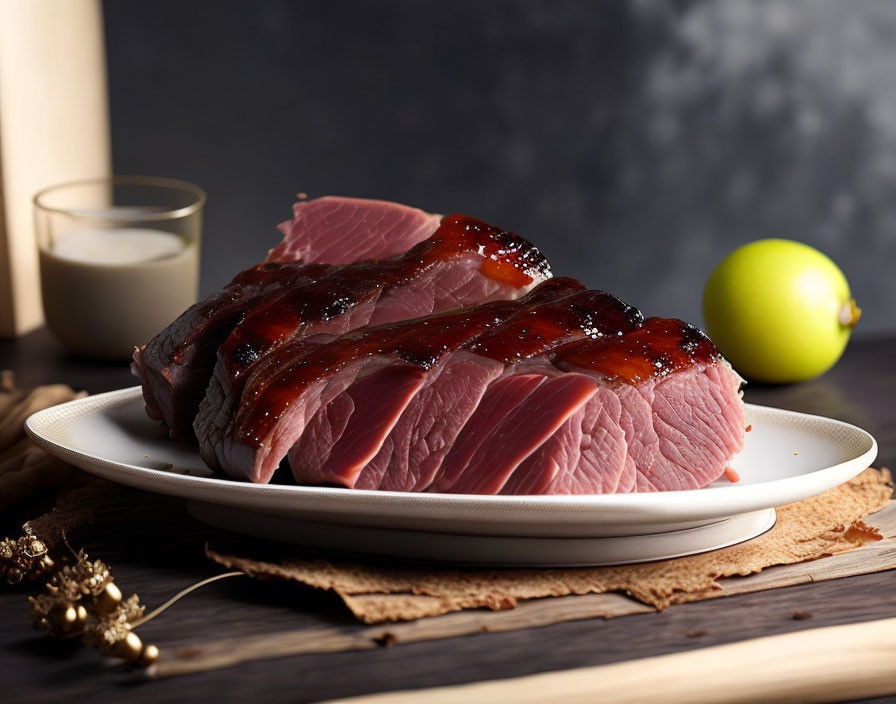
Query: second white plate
x=494, y=551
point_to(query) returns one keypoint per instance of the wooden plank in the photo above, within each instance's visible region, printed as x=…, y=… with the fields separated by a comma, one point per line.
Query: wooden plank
x=228, y=652
x=871, y=558
x=54, y=128
x=876, y=557
x=156, y=557
x=817, y=665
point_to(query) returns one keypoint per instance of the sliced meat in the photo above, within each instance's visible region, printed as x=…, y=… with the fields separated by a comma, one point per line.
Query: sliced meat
x=586, y=455
x=465, y=262
x=174, y=368
x=668, y=417
x=414, y=450
x=699, y=422
x=379, y=399
x=633, y=405
x=500, y=400
x=521, y=432
x=291, y=384
x=337, y=230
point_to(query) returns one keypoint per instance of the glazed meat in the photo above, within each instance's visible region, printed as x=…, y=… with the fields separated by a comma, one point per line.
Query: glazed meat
x=290, y=385
x=465, y=262
x=453, y=388
x=174, y=368
x=666, y=415
x=383, y=348
x=663, y=413
x=562, y=391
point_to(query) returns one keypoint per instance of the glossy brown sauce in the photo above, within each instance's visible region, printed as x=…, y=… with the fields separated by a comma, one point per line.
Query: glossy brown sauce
x=583, y=315
x=282, y=376
x=226, y=306
x=575, y=329
x=653, y=349
x=506, y=258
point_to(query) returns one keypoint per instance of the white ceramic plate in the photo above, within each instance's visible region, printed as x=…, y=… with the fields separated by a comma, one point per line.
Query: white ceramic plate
x=788, y=456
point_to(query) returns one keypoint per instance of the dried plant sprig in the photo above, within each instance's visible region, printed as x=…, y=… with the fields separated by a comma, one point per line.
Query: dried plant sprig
x=82, y=599
x=24, y=558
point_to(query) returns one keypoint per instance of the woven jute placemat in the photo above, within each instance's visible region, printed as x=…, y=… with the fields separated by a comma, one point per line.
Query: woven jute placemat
x=827, y=524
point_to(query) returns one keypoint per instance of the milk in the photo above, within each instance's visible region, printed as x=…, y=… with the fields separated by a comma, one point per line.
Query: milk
x=108, y=290
x=123, y=246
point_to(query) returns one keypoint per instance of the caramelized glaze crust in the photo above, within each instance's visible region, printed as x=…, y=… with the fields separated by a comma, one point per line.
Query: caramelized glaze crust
x=266, y=275
x=506, y=258
x=536, y=331
x=558, y=321
x=654, y=349
x=282, y=376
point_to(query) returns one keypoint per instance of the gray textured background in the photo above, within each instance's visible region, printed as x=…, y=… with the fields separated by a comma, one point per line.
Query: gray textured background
x=635, y=142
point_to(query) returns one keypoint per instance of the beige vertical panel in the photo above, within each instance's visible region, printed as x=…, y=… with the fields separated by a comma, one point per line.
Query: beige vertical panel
x=54, y=126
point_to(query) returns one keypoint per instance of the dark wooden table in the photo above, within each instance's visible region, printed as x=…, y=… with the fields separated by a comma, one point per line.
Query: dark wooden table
x=158, y=550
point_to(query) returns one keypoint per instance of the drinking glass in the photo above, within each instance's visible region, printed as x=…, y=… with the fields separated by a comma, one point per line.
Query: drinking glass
x=119, y=259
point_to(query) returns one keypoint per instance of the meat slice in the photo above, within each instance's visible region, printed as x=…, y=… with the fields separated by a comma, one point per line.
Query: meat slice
x=413, y=451
x=668, y=416
x=174, y=368
x=337, y=230
x=465, y=262
x=519, y=346
x=291, y=384
x=576, y=395
x=362, y=416
x=428, y=428
x=521, y=431
x=676, y=433
x=557, y=466
x=500, y=400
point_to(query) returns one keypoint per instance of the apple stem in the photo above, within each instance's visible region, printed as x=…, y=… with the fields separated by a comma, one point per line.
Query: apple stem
x=850, y=313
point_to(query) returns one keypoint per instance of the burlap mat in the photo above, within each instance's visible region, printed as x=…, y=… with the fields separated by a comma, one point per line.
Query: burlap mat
x=820, y=526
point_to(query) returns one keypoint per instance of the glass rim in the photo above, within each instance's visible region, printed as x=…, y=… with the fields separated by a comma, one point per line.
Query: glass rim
x=157, y=181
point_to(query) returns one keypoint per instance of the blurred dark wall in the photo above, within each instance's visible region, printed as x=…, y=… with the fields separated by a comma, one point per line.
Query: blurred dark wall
x=635, y=142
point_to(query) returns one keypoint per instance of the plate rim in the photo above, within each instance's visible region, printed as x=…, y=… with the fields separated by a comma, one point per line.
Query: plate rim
x=640, y=505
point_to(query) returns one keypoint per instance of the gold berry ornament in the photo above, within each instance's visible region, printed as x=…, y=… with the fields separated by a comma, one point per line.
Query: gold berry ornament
x=82, y=599
x=26, y=557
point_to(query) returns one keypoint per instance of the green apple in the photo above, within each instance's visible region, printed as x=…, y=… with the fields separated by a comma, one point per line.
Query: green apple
x=779, y=310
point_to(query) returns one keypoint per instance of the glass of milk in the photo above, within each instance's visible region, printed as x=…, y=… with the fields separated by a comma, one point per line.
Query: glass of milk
x=119, y=260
